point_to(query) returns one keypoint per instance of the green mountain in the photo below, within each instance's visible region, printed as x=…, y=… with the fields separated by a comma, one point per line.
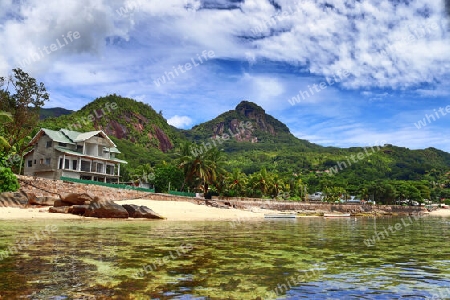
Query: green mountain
x=251, y=140
x=249, y=127
x=45, y=113
x=141, y=134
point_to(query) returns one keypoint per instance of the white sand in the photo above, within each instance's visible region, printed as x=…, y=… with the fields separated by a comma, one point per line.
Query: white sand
x=15, y=213
x=186, y=211
x=440, y=213
x=172, y=210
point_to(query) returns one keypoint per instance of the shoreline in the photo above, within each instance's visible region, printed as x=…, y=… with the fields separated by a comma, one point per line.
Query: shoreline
x=171, y=210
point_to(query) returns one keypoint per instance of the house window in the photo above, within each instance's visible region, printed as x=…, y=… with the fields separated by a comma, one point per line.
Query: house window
x=99, y=168
x=79, y=148
x=74, y=164
x=30, y=163
x=66, y=164
x=110, y=170
x=49, y=144
x=34, y=161
x=85, y=166
x=47, y=161
x=62, y=144
x=41, y=161
x=60, y=163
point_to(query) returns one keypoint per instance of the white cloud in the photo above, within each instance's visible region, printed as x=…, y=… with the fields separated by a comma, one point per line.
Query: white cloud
x=388, y=48
x=180, y=121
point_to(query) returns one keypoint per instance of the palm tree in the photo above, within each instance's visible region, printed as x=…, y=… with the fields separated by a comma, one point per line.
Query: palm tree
x=276, y=185
x=200, y=169
x=260, y=182
x=236, y=182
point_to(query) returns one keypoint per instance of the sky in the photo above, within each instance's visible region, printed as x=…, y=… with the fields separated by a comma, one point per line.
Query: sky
x=337, y=73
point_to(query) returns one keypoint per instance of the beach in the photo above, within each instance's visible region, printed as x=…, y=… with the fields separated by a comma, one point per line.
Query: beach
x=171, y=210
x=440, y=213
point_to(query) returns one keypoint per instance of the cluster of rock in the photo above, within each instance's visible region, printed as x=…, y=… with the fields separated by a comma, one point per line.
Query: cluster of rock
x=88, y=205
x=83, y=204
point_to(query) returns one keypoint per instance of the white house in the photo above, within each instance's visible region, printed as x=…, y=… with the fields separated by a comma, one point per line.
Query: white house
x=80, y=155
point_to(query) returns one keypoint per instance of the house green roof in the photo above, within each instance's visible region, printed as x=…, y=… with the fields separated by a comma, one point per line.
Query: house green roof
x=57, y=136
x=112, y=149
x=73, y=137
x=83, y=136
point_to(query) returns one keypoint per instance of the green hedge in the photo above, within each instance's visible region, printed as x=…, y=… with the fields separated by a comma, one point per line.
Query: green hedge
x=112, y=185
x=185, y=194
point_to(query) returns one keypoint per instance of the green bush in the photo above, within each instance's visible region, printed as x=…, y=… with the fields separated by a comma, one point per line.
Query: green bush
x=447, y=201
x=8, y=181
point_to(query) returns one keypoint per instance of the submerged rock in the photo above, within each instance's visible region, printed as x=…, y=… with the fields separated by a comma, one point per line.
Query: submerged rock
x=135, y=211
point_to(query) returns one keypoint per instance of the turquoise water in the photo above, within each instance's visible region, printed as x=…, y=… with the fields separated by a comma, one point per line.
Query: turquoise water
x=306, y=258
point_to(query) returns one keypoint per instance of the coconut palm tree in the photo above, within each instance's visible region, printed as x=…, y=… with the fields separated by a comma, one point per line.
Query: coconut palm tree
x=200, y=169
x=236, y=182
x=276, y=185
x=260, y=183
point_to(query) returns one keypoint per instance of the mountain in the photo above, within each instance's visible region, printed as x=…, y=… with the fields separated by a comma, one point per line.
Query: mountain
x=249, y=127
x=141, y=134
x=251, y=140
x=45, y=113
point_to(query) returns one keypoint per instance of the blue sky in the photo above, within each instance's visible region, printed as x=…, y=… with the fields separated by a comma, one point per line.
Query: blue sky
x=363, y=72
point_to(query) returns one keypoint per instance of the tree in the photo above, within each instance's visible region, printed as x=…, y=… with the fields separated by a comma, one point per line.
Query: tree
x=297, y=188
x=276, y=185
x=5, y=117
x=8, y=181
x=202, y=169
x=142, y=174
x=167, y=177
x=236, y=182
x=22, y=97
x=260, y=183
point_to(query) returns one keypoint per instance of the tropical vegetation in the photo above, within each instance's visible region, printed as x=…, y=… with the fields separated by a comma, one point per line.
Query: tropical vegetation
x=267, y=161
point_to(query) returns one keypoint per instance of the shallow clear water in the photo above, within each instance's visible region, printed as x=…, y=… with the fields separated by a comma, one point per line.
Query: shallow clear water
x=307, y=258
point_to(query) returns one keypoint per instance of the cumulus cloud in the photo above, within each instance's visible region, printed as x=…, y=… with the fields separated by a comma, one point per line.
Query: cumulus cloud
x=265, y=51
x=31, y=27
x=180, y=121
x=383, y=43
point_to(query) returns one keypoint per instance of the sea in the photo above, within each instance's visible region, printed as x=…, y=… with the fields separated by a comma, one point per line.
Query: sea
x=304, y=258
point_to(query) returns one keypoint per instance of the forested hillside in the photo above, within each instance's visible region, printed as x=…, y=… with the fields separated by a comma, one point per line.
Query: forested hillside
x=253, y=143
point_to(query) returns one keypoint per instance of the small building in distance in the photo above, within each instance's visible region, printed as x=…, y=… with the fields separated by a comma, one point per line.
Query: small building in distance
x=79, y=155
